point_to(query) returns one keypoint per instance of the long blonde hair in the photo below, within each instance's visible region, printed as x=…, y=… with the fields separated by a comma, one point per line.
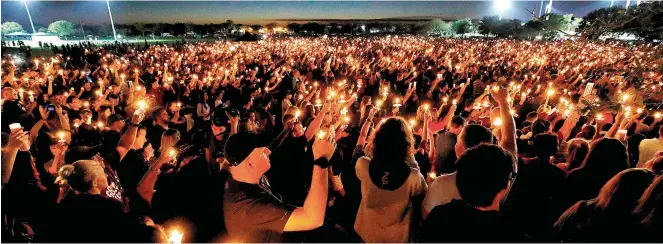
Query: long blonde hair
x=169, y=138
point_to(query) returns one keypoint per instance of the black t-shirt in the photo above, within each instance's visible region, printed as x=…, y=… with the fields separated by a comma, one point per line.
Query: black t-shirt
x=93, y=218
x=458, y=222
x=11, y=113
x=252, y=214
x=290, y=173
x=154, y=134
x=131, y=170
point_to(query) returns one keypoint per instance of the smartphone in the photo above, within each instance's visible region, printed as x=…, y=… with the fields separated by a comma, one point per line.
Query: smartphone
x=14, y=126
x=50, y=107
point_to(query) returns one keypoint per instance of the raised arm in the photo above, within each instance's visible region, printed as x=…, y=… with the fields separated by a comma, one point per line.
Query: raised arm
x=312, y=214
x=129, y=136
x=145, y=188
x=508, y=130
x=16, y=139
x=615, y=126
x=317, y=122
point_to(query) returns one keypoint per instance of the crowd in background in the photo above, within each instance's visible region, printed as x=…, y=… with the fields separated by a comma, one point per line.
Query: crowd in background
x=373, y=139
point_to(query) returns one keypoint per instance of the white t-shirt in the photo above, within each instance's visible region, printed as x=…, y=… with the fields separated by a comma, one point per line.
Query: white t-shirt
x=441, y=191
x=648, y=148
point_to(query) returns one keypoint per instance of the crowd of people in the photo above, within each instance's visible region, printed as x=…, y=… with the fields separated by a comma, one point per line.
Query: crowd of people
x=339, y=139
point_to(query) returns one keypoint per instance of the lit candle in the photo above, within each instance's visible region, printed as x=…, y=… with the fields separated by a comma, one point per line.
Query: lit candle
x=86, y=104
x=497, y=122
x=100, y=125
x=426, y=107
x=657, y=115
x=321, y=134
x=413, y=123
x=454, y=102
x=625, y=97
x=175, y=237
x=61, y=136
x=297, y=113
x=141, y=104
x=397, y=102
x=550, y=93
x=172, y=153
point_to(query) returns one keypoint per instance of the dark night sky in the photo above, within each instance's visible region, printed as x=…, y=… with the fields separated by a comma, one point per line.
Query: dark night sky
x=95, y=12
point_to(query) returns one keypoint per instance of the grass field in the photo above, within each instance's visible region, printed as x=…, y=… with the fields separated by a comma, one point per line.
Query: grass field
x=38, y=51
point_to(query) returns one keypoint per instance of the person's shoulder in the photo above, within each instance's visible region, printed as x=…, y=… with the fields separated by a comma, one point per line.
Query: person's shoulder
x=445, y=212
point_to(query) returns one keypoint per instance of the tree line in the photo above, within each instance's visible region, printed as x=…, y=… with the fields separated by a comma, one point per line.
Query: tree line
x=644, y=21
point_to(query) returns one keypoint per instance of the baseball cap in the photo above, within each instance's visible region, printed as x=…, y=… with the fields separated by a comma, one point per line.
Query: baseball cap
x=239, y=146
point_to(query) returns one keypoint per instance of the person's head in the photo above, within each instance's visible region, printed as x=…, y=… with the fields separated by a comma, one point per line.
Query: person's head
x=607, y=157
x=576, y=152
x=9, y=94
x=141, y=138
x=160, y=116
x=587, y=132
x=86, y=116
x=116, y=122
x=540, y=126
x=169, y=139
x=655, y=164
x=545, y=145
x=622, y=192
x=456, y=125
x=532, y=116
x=84, y=176
x=114, y=99
x=74, y=103
x=248, y=161
x=649, y=200
x=393, y=141
x=87, y=86
x=146, y=150
x=473, y=135
x=484, y=174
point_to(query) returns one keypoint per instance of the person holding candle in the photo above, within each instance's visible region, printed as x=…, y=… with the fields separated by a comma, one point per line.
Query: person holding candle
x=252, y=212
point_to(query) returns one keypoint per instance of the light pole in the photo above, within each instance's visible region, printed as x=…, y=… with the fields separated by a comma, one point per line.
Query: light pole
x=540, y=8
x=628, y=3
x=111, y=18
x=612, y=2
x=549, y=7
x=25, y=3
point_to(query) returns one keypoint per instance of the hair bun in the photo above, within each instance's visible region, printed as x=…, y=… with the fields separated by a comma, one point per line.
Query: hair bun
x=64, y=173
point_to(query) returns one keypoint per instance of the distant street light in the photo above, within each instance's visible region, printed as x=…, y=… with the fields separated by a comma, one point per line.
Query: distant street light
x=25, y=2
x=501, y=6
x=111, y=18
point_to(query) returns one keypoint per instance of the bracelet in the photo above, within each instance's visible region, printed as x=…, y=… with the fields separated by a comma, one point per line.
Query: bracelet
x=134, y=124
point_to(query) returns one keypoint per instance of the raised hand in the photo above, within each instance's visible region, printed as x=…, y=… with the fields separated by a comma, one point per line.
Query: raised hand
x=324, y=148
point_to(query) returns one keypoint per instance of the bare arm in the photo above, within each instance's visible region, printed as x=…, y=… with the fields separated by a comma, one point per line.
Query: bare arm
x=615, y=126
x=508, y=130
x=16, y=139
x=317, y=122
x=129, y=136
x=145, y=188
x=312, y=214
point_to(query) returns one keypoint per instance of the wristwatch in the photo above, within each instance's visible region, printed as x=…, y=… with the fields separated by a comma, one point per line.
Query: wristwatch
x=322, y=162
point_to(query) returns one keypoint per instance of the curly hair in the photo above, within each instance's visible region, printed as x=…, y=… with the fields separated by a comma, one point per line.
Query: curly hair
x=393, y=141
